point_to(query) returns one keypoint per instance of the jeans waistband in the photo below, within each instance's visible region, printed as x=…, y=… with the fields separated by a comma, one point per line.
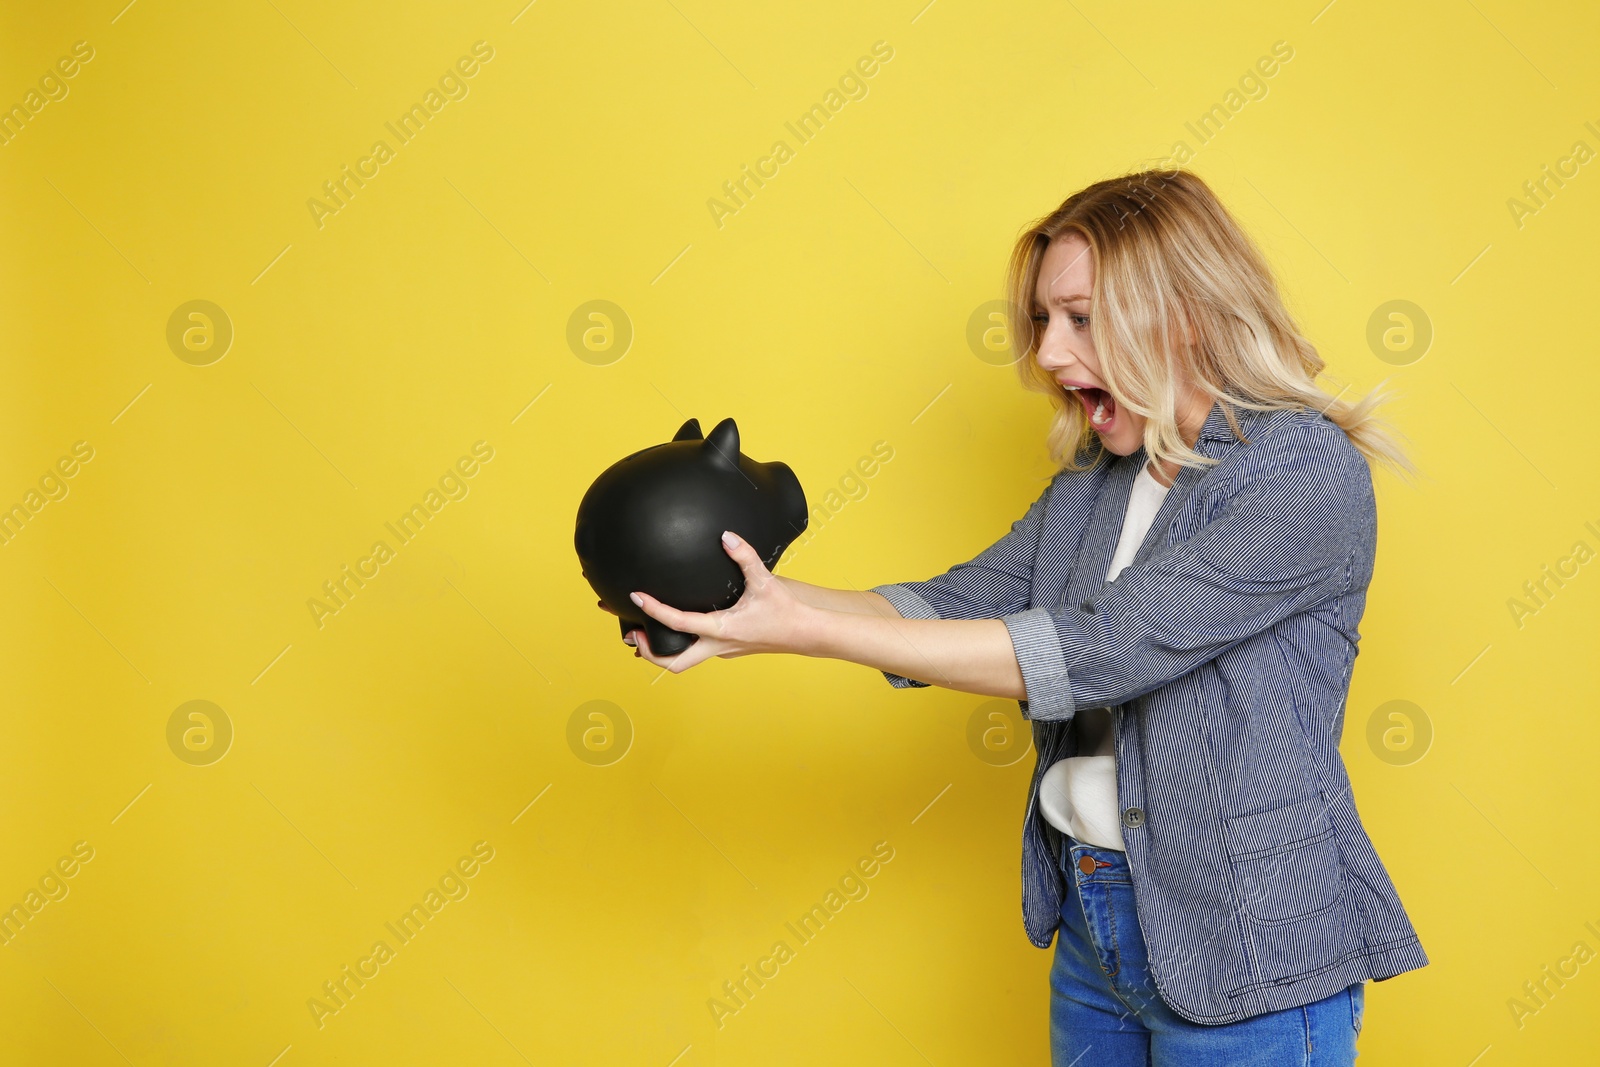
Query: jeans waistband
x=1092, y=862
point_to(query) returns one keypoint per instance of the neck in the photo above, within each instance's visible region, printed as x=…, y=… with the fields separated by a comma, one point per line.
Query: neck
x=1190, y=429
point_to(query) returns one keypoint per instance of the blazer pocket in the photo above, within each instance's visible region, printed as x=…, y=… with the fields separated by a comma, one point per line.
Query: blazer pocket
x=1286, y=860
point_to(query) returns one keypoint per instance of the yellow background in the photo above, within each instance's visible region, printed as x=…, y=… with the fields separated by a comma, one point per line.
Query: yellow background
x=828, y=314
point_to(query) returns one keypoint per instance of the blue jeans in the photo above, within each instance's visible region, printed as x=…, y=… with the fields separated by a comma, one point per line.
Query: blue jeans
x=1105, y=1010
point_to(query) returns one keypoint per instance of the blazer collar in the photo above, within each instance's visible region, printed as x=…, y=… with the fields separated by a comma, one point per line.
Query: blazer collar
x=1216, y=426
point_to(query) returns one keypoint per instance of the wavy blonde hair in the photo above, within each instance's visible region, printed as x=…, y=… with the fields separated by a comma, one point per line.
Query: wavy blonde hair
x=1168, y=258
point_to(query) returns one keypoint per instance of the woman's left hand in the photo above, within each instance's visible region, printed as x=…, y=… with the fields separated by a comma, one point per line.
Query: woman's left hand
x=767, y=618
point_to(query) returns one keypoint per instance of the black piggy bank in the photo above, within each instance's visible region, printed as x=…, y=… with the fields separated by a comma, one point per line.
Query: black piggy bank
x=653, y=522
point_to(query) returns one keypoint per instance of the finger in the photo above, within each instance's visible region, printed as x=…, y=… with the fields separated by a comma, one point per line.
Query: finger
x=689, y=622
x=644, y=651
x=749, y=560
x=689, y=657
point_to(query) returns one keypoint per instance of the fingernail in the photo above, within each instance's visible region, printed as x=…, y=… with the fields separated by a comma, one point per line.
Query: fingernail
x=636, y=599
x=730, y=538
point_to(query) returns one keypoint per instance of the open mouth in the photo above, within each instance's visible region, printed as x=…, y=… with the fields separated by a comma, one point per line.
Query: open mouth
x=1099, y=405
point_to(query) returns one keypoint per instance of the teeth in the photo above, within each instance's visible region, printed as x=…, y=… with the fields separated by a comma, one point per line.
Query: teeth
x=1099, y=416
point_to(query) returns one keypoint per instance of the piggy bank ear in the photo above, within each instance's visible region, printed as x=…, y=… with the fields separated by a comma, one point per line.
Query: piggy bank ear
x=724, y=443
x=689, y=431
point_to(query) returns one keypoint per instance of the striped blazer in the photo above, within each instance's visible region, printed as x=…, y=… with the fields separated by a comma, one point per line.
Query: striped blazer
x=1224, y=653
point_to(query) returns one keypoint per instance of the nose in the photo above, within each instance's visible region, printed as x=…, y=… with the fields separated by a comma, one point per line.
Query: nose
x=1052, y=356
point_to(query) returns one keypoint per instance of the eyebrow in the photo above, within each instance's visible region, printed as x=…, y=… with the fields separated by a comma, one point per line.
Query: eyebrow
x=1065, y=299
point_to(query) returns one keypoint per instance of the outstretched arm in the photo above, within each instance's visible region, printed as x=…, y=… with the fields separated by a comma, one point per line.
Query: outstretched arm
x=856, y=601
x=969, y=655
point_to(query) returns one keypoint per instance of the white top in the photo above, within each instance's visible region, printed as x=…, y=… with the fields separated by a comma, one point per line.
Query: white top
x=1078, y=795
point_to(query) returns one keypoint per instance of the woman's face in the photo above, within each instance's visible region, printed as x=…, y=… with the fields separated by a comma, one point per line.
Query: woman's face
x=1066, y=349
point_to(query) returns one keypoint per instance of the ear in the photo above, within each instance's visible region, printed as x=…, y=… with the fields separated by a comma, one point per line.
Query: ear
x=1188, y=328
x=724, y=443
x=689, y=431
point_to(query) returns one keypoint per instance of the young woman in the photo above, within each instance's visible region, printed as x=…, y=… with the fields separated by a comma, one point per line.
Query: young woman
x=1177, y=615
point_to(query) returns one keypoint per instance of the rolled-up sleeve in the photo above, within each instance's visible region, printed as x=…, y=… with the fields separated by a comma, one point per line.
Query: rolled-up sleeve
x=1283, y=538
x=994, y=584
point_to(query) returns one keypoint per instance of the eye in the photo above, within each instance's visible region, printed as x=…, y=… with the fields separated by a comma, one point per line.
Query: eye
x=1079, y=322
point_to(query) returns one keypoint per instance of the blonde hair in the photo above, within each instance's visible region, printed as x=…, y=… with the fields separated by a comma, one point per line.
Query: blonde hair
x=1169, y=258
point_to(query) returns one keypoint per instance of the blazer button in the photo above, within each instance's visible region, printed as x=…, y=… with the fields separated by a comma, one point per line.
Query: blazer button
x=1133, y=817
x=1088, y=607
